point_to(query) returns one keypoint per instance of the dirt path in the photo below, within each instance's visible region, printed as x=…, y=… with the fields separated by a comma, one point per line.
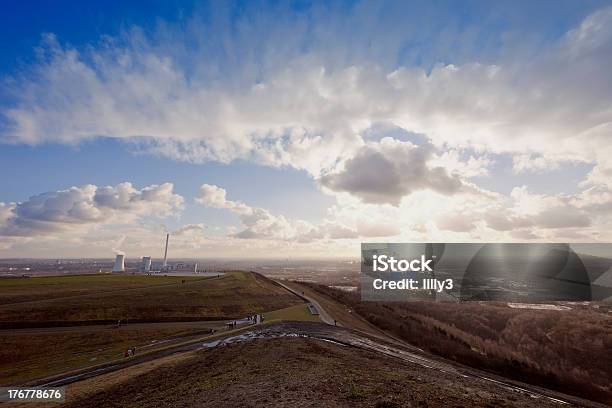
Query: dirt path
x=325, y=317
x=343, y=315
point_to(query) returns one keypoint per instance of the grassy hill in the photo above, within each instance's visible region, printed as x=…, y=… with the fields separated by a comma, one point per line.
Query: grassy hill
x=34, y=353
x=17, y=290
x=289, y=372
x=98, y=298
x=76, y=302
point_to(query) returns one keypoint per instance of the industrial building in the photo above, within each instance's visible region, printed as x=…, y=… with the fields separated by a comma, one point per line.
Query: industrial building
x=145, y=266
x=119, y=263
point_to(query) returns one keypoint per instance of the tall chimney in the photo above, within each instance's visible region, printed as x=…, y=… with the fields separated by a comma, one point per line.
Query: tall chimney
x=119, y=263
x=165, y=264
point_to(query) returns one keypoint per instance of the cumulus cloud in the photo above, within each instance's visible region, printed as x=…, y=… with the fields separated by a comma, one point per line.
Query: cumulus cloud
x=386, y=171
x=215, y=197
x=582, y=216
x=524, y=163
x=524, y=215
x=259, y=223
x=86, y=206
x=558, y=217
x=310, y=111
x=188, y=229
x=457, y=222
x=463, y=163
x=317, y=111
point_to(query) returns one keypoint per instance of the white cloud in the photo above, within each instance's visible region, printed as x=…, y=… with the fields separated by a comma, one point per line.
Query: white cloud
x=474, y=165
x=309, y=111
x=524, y=163
x=457, y=222
x=86, y=206
x=317, y=113
x=189, y=229
x=259, y=223
x=386, y=171
x=527, y=214
x=215, y=197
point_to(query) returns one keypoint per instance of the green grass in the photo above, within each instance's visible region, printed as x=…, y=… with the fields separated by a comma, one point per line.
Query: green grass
x=146, y=298
x=27, y=355
x=297, y=312
x=16, y=290
x=355, y=392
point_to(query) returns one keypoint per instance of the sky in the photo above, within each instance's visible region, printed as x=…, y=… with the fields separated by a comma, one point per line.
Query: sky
x=301, y=129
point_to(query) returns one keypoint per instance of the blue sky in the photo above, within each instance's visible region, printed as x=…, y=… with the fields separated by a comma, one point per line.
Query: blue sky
x=294, y=112
x=482, y=24
x=107, y=162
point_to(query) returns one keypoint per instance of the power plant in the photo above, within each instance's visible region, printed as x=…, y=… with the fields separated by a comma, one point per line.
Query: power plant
x=119, y=263
x=146, y=264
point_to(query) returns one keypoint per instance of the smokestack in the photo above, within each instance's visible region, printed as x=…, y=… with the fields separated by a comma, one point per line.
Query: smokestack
x=165, y=264
x=146, y=264
x=195, y=268
x=119, y=263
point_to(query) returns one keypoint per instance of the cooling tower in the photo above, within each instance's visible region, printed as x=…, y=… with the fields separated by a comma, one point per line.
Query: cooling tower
x=119, y=264
x=146, y=264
